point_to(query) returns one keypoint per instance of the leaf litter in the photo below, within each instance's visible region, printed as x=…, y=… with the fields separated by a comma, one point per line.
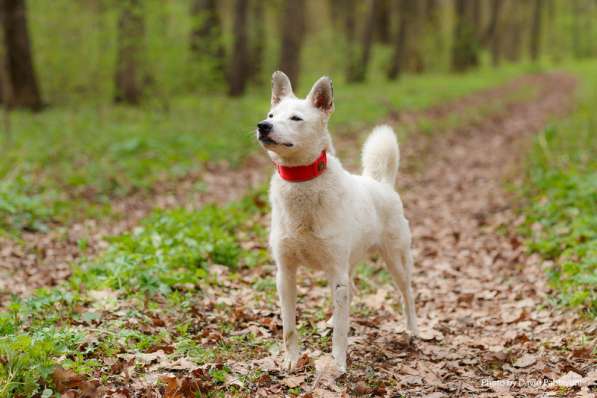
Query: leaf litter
x=479, y=299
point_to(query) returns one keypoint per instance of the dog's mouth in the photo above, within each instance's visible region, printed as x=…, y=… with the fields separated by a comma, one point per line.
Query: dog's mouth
x=269, y=141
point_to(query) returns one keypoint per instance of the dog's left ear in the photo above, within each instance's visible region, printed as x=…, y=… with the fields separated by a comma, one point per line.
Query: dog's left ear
x=322, y=95
x=281, y=87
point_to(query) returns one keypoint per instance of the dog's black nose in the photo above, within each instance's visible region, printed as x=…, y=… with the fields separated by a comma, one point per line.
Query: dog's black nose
x=264, y=127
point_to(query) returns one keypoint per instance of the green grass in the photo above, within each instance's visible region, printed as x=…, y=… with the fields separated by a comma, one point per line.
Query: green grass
x=69, y=161
x=158, y=270
x=561, y=211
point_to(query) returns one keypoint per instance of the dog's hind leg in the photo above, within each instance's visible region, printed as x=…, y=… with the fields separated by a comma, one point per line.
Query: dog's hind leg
x=398, y=258
x=286, y=284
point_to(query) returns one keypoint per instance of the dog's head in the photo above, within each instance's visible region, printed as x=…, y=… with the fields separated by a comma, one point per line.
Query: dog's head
x=295, y=130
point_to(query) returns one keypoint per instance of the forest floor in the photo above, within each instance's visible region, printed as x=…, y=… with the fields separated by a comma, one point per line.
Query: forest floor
x=487, y=328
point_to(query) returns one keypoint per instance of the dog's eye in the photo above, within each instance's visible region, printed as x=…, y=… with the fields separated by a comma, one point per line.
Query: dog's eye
x=270, y=115
x=296, y=118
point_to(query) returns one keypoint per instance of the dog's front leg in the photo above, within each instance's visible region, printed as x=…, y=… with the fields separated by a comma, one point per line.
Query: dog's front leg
x=286, y=283
x=341, y=296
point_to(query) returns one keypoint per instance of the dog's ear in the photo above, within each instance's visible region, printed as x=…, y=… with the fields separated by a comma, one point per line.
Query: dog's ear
x=281, y=87
x=322, y=95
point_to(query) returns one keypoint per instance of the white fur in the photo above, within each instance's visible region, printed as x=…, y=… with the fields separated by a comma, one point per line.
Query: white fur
x=334, y=221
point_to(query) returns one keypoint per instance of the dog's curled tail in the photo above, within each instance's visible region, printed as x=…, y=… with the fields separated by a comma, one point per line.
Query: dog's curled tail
x=381, y=156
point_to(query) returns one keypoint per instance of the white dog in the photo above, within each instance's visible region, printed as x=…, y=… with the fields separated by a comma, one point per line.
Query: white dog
x=326, y=218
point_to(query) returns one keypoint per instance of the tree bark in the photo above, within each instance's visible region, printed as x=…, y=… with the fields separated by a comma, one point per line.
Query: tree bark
x=20, y=87
x=206, y=35
x=239, y=72
x=293, y=32
x=400, y=47
x=129, y=77
x=491, y=38
x=535, y=44
x=360, y=70
x=465, y=46
x=350, y=27
x=382, y=21
x=257, y=40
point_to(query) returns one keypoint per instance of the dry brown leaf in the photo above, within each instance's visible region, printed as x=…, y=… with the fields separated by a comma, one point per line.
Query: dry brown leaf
x=525, y=361
x=293, y=381
x=326, y=371
x=570, y=379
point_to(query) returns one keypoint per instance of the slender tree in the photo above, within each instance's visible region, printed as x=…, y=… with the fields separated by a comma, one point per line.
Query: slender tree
x=491, y=38
x=239, y=68
x=257, y=40
x=360, y=70
x=404, y=11
x=20, y=87
x=350, y=27
x=535, y=42
x=129, y=77
x=465, y=44
x=383, y=12
x=293, y=32
x=206, y=34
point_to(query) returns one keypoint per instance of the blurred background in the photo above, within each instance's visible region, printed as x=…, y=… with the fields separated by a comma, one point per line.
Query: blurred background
x=65, y=51
x=132, y=187
x=103, y=98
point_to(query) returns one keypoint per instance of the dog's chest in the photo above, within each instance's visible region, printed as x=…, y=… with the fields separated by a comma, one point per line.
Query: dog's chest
x=303, y=226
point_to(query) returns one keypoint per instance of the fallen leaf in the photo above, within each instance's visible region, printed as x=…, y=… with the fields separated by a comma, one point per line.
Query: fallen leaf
x=570, y=379
x=362, y=388
x=326, y=371
x=65, y=379
x=293, y=381
x=525, y=361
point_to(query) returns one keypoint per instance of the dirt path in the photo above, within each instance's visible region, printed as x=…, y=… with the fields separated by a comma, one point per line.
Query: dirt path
x=480, y=297
x=43, y=259
x=481, y=301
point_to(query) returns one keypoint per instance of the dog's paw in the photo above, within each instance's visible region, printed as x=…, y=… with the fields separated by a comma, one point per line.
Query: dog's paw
x=290, y=362
x=341, y=367
x=413, y=329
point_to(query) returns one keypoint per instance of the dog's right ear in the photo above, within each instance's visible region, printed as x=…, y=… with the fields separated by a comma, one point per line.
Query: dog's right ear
x=281, y=87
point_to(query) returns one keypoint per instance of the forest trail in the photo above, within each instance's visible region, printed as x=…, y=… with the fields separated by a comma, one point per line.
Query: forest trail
x=481, y=300
x=480, y=297
x=43, y=259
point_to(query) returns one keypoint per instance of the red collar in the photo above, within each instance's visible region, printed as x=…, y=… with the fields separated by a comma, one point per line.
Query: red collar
x=304, y=173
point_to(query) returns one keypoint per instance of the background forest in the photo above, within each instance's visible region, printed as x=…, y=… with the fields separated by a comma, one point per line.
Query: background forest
x=102, y=50
x=133, y=207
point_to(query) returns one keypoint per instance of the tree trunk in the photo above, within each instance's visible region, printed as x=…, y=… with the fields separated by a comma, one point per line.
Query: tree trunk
x=576, y=32
x=400, y=46
x=239, y=71
x=491, y=38
x=257, y=41
x=536, y=30
x=20, y=83
x=382, y=21
x=206, y=35
x=293, y=32
x=129, y=77
x=465, y=47
x=350, y=27
x=360, y=70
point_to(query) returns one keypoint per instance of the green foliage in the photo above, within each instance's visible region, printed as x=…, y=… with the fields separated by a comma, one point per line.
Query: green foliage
x=561, y=216
x=71, y=159
x=171, y=250
x=21, y=209
x=27, y=358
x=174, y=248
